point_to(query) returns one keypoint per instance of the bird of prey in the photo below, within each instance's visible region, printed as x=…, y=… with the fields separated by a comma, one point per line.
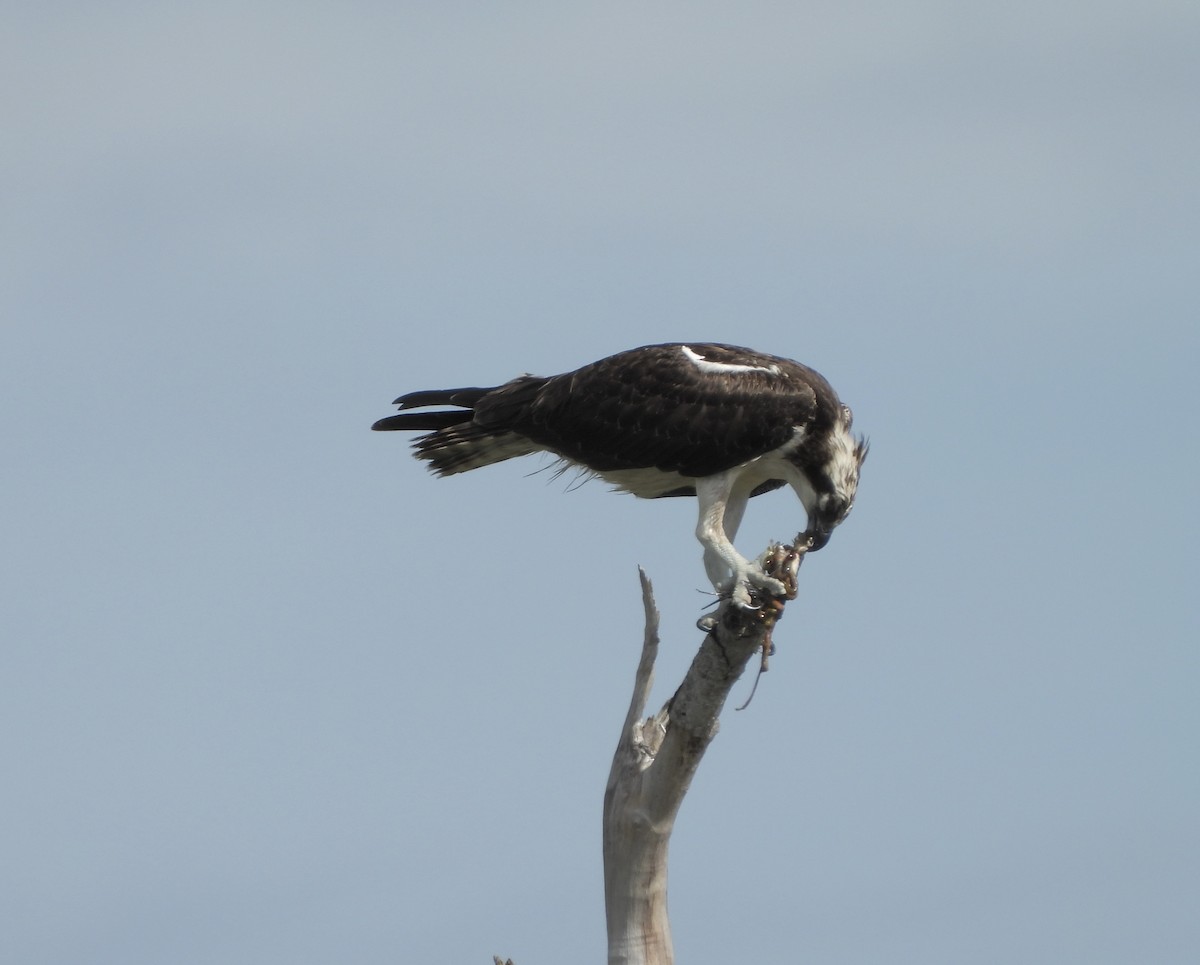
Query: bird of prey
x=717, y=422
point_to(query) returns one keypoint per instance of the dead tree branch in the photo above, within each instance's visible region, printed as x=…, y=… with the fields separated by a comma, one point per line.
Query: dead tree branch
x=657, y=757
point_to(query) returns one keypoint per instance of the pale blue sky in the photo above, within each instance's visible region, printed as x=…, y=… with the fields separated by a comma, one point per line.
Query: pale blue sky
x=272, y=694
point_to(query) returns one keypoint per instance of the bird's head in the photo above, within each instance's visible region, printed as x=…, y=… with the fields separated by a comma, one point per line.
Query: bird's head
x=837, y=481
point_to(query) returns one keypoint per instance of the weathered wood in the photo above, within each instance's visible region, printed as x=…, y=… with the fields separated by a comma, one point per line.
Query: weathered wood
x=656, y=758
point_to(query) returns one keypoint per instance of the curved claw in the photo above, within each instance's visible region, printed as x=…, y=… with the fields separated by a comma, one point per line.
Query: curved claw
x=744, y=593
x=764, y=585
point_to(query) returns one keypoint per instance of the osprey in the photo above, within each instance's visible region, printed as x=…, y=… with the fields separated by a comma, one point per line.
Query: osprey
x=717, y=422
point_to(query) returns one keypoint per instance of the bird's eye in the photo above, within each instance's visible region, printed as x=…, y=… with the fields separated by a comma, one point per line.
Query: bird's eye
x=834, y=506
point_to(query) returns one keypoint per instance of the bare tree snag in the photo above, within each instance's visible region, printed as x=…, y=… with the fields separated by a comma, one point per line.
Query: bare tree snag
x=657, y=756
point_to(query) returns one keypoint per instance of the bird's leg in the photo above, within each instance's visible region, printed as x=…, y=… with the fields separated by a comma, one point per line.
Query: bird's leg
x=722, y=503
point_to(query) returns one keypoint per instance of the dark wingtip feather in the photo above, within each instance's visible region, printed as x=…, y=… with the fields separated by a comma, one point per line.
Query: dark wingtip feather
x=421, y=420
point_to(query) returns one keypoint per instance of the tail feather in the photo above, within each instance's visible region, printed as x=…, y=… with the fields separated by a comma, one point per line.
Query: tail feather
x=454, y=442
x=465, y=446
x=464, y=398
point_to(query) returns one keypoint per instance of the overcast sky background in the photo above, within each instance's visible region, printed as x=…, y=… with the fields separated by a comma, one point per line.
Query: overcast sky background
x=270, y=693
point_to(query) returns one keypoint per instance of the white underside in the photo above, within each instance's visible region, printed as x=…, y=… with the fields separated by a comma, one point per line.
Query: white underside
x=652, y=483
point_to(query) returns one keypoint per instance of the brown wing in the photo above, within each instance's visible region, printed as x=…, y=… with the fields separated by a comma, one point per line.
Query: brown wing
x=696, y=409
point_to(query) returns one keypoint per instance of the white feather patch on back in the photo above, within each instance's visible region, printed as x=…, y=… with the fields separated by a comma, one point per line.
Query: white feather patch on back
x=724, y=368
